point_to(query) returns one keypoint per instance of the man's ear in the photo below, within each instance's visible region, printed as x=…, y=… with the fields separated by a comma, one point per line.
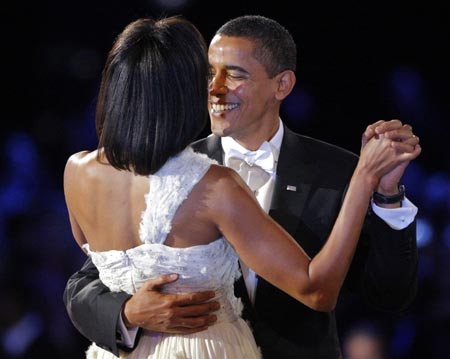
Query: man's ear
x=286, y=81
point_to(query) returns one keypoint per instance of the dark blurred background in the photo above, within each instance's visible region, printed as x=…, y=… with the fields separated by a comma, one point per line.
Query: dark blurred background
x=358, y=62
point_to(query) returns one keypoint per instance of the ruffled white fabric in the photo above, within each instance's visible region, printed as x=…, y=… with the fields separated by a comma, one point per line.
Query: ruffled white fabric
x=205, y=267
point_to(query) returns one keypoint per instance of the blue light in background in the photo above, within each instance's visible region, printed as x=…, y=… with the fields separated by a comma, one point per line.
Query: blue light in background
x=425, y=232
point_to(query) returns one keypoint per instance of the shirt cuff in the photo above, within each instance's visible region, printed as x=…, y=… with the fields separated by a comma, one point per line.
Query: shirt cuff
x=397, y=218
x=126, y=336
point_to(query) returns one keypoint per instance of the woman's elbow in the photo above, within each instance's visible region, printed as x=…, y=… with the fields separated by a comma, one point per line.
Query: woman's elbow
x=322, y=302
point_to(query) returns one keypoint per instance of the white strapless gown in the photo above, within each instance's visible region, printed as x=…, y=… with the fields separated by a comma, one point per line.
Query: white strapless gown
x=204, y=267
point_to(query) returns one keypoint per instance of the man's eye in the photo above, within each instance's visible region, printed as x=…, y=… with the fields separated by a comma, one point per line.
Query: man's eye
x=235, y=76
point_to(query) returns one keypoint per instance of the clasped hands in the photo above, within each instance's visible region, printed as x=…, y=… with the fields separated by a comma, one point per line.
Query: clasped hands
x=404, y=141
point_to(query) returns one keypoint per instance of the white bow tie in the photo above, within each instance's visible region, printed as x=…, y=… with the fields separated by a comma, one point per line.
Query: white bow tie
x=262, y=157
x=255, y=167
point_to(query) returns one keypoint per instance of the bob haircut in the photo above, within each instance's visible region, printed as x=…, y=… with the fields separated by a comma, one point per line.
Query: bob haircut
x=152, y=101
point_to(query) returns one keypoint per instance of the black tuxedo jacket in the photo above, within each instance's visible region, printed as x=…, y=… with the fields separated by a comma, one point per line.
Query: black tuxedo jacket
x=311, y=180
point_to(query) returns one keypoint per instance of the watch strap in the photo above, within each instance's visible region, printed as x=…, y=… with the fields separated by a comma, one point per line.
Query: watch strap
x=379, y=198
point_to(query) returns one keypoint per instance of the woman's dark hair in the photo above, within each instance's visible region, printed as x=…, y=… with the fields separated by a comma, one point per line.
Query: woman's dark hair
x=153, y=94
x=274, y=48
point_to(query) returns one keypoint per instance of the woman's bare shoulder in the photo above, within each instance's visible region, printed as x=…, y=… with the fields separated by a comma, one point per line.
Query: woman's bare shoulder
x=81, y=158
x=80, y=165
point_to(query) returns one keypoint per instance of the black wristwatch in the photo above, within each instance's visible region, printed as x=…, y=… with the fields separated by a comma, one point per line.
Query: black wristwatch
x=379, y=198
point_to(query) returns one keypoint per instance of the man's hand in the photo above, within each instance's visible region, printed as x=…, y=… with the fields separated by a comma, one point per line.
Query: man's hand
x=153, y=310
x=405, y=141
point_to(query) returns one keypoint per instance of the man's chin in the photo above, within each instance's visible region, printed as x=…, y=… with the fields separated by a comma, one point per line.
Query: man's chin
x=220, y=131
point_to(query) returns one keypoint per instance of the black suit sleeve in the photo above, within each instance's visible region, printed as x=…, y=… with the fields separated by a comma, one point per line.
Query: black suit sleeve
x=92, y=308
x=384, y=269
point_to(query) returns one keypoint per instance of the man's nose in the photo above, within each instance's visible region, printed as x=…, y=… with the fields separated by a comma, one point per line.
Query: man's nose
x=217, y=86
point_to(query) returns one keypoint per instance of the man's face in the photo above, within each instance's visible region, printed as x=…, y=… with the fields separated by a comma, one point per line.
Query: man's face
x=242, y=101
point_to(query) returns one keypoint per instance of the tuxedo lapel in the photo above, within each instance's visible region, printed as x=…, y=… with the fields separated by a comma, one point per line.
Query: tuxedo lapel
x=295, y=174
x=210, y=146
x=293, y=179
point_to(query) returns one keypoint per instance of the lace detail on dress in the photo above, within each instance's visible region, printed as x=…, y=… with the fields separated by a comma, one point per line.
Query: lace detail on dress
x=169, y=187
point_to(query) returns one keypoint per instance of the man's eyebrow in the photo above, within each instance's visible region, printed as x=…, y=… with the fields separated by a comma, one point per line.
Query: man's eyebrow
x=236, y=68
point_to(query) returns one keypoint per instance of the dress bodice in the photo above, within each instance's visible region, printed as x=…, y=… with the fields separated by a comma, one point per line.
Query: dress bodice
x=213, y=266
